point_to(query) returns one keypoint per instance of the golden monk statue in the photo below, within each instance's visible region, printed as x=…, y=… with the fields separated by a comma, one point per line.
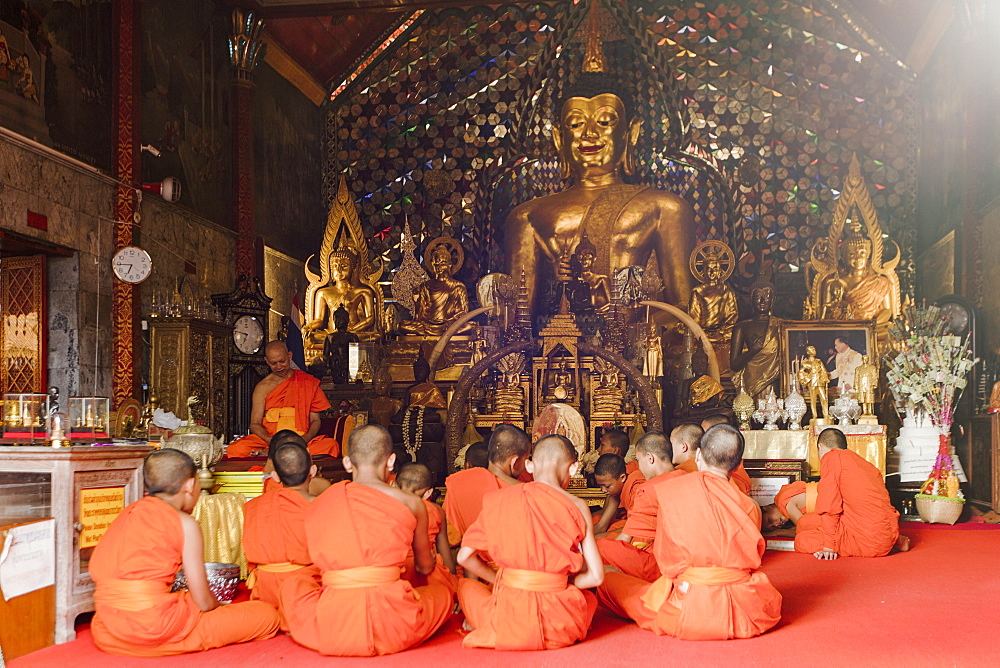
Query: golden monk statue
x=865, y=384
x=342, y=290
x=814, y=377
x=713, y=303
x=595, y=137
x=440, y=301
x=753, y=350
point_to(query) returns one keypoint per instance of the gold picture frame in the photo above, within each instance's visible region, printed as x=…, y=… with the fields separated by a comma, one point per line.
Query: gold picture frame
x=795, y=335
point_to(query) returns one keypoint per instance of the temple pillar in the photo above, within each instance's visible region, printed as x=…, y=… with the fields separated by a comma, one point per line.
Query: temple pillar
x=125, y=161
x=246, y=50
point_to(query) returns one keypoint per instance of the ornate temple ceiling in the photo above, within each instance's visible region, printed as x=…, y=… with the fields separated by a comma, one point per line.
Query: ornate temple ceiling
x=327, y=38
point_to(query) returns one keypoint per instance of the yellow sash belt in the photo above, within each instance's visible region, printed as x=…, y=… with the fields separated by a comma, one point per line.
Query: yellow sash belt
x=130, y=595
x=812, y=493
x=280, y=567
x=659, y=591
x=285, y=417
x=532, y=580
x=360, y=577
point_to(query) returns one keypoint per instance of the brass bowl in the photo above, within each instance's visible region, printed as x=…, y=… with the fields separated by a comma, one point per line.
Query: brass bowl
x=222, y=580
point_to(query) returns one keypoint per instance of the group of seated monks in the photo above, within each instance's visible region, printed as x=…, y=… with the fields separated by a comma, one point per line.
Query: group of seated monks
x=364, y=567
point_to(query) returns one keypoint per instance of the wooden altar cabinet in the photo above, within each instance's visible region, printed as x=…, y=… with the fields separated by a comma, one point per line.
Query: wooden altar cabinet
x=39, y=482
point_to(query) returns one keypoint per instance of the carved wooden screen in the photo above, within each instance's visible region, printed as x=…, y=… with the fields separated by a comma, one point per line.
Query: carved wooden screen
x=23, y=325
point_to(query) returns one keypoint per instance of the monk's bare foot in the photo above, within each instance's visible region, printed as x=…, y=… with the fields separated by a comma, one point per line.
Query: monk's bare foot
x=902, y=544
x=466, y=627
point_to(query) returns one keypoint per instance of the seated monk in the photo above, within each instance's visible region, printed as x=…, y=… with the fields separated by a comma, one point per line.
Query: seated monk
x=477, y=456
x=542, y=539
x=853, y=516
x=359, y=532
x=418, y=481
x=708, y=548
x=631, y=552
x=274, y=535
x=285, y=399
x=622, y=501
x=684, y=456
x=790, y=503
x=507, y=450
x=134, y=565
x=317, y=485
x=610, y=476
x=615, y=441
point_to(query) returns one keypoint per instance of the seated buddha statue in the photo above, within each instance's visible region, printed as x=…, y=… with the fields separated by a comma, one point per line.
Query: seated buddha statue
x=561, y=386
x=595, y=137
x=868, y=293
x=713, y=303
x=441, y=300
x=344, y=289
x=589, y=291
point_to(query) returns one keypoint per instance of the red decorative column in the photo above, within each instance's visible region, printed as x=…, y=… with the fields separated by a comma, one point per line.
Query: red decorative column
x=124, y=296
x=246, y=50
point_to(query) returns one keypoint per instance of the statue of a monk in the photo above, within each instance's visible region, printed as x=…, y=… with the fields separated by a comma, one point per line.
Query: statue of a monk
x=753, y=350
x=596, y=137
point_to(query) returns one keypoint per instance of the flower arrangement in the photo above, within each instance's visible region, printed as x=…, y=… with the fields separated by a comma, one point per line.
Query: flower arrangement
x=928, y=373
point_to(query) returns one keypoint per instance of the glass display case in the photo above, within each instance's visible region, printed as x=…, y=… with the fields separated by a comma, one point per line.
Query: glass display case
x=24, y=416
x=88, y=417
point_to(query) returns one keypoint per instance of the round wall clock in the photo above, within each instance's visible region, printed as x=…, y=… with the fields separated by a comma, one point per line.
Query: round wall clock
x=248, y=334
x=132, y=264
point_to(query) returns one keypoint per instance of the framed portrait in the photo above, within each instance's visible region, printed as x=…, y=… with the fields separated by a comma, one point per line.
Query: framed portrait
x=839, y=344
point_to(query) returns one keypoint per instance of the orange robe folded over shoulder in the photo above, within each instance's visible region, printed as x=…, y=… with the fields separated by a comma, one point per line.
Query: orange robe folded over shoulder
x=288, y=406
x=708, y=547
x=853, y=514
x=636, y=557
x=788, y=492
x=463, y=499
x=133, y=566
x=626, y=499
x=532, y=531
x=274, y=540
x=359, y=537
x=441, y=573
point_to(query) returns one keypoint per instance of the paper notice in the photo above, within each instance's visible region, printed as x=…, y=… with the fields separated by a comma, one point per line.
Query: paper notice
x=28, y=558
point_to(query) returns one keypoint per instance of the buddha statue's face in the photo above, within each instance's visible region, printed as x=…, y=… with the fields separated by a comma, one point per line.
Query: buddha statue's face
x=441, y=264
x=763, y=300
x=593, y=133
x=340, y=268
x=713, y=270
x=857, y=256
x=586, y=260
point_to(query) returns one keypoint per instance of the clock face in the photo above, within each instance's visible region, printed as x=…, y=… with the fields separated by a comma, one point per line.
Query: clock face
x=248, y=334
x=958, y=317
x=132, y=264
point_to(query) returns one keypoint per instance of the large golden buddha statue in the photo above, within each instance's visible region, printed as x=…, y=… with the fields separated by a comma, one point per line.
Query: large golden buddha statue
x=342, y=290
x=441, y=300
x=595, y=137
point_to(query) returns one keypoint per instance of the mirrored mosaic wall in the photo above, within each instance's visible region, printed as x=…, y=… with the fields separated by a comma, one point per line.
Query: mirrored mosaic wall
x=752, y=113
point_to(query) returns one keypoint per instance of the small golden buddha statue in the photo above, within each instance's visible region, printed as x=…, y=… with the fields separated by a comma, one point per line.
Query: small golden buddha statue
x=592, y=290
x=608, y=395
x=509, y=396
x=652, y=366
x=441, y=300
x=865, y=384
x=595, y=137
x=753, y=349
x=814, y=377
x=836, y=306
x=384, y=405
x=561, y=386
x=713, y=303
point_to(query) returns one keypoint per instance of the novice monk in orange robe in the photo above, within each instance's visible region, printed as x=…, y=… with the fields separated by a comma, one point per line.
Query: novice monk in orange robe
x=853, y=515
x=684, y=457
x=507, y=451
x=359, y=533
x=615, y=442
x=610, y=476
x=708, y=547
x=134, y=564
x=285, y=399
x=630, y=553
x=418, y=481
x=274, y=535
x=542, y=539
x=790, y=503
x=317, y=485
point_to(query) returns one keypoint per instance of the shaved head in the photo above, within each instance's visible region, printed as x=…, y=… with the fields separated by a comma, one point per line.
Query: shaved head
x=477, y=456
x=722, y=447
x=414, y=477
x=369, y=445
x=282, y=437
x=656, y=443
x=276, y=348
x=165, y=471
x=292, y=462
x=833, y=439
x=614, y=439
x=688, y=433
x=553, y=450
x=507, y=441
x=610, y=465
x=712, y=420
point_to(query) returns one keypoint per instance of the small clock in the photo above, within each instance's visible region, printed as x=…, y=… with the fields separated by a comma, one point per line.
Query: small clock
x=959, y=313
x=132, y=264
x=248, y=334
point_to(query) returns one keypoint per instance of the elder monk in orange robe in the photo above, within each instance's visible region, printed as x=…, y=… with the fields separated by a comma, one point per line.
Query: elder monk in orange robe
x=285, y=399
x=853, y=516
x=134, y=564
x=418, y=481
x=507, y=450
x=631, y=551
x=542, y=539
x=274, y=535
x=358, y=533
x=708, y=546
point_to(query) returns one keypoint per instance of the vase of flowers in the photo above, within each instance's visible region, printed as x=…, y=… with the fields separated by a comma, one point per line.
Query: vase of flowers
x=928, y=374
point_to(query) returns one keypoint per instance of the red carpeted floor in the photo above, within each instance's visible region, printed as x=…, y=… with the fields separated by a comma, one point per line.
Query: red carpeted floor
x=937, y=605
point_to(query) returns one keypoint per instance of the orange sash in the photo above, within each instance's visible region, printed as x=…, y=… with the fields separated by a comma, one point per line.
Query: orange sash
x=130, y=595
x=361, y=577
x=525, y=580
x=659, y=591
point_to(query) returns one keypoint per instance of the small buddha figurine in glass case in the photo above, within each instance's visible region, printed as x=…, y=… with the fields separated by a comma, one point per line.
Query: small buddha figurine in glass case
x=88, y=417
x=24, y=416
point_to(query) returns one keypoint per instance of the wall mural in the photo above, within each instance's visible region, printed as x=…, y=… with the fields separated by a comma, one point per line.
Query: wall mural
x=752, y=114
x=54, y=85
